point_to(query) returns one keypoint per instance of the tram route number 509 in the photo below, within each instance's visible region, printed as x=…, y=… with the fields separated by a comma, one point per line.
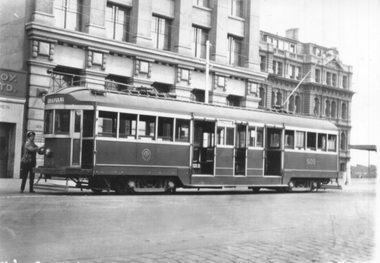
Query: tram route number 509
x=311, y=161
x=49, y=161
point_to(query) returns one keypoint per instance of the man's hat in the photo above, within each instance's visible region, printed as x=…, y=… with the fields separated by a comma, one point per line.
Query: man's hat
x=30, y=134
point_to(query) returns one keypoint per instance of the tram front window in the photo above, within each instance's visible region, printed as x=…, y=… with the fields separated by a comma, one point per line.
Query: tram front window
x=48, y=122
x=62, y=122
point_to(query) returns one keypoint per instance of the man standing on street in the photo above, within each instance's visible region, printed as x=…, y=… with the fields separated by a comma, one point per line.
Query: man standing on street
x=28, y=161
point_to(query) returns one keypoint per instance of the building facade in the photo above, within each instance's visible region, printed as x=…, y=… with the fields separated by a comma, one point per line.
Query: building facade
x=325, y=90
x=160, y=45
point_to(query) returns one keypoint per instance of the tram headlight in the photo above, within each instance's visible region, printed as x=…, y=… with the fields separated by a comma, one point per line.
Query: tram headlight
x=48, y=152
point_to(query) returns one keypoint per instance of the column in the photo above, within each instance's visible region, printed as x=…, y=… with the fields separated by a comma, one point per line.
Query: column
x=218, y=32
x=182, y=30
x=252, y=36
x=94, y=15
x=141, y=19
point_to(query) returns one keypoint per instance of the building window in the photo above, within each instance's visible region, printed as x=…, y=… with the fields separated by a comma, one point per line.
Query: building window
x=234, y=51
x=298, y=104
x=343, y=141
x=262, y=97
x=345, y=82
x=204, y=3
x=160, y=33
x=328, y=78
x=327, y=109
x=279, y=99
x=200, y=37
x=291, y=104
x=292, y=71
x=233, y=101
x=334, y=83
x=263, y=64
x=317, y=76
x=333, y=109
x=277, y=68
x=117, y=22
x=316, y=106
x=237, y=8
x=344, y=111
x=68, y=14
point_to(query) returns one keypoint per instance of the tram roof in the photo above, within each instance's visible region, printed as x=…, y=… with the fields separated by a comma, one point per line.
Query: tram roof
x=85, y=96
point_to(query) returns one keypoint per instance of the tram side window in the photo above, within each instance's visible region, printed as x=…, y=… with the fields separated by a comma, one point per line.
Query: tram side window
x=331, y=143
x=128, y=123
x=225, y=136
x=300, y=140
x=107, y=124
x=62, y=122
x=147, y=127
x=321, y=142
x=241, y=136
x=88, y=123
x=311, y=141
x=220, y=136
x=289, y=139
x=78, y=115
x=165, y=129
x=182, y=130
x=252, y=136
x=48, y=122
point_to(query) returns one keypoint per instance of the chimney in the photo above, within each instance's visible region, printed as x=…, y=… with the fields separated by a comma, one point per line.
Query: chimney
x=292, y=33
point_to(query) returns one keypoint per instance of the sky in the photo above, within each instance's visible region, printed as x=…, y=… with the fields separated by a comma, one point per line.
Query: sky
x=353, y=27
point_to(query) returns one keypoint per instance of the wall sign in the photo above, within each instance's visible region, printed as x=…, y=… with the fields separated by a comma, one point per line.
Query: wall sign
x=12, y=83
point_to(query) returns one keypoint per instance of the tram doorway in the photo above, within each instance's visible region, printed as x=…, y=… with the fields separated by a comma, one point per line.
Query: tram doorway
x=7, y=149
x=204, y=147
x=273, y=149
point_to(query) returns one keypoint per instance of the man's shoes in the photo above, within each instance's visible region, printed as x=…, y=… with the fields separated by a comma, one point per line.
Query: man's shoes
x=32, y=191
x=21, y=191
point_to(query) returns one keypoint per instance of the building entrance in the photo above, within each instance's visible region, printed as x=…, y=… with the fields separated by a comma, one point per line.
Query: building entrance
x=7, y=149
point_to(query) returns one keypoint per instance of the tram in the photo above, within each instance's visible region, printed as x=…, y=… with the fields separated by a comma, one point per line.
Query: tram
x=136, y=141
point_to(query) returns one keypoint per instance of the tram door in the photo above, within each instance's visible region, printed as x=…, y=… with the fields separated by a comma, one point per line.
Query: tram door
x=273, y=150
x=77, y=139
x=225, y=150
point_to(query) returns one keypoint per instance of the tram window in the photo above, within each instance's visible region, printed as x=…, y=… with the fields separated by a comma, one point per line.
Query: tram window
x=107, y=124
x=252, y=136
x=182, y=130
x=322, y=142
x=48, y=122
x=289, y=139
x=241, y=136
x=260, y=137
x=147, y=127
x=331, y=143
x=62, y=122
x=165, y=129
x=128, y=124
x=208, y=140
x=311, y=140
x=78, y=115
x=88, y=123
x=230, y=136
x=274, y=140
x=220, y=136
x=300, y=140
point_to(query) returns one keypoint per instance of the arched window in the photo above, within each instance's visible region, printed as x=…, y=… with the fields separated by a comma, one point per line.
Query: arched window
x=291, y=104
x=333, y=109
x=343, y=141
x=327, y=108
x=273, y=98
x=262, y=97
x=279, y=99
x=316, y=106
x=344, y=111
x=298, y=104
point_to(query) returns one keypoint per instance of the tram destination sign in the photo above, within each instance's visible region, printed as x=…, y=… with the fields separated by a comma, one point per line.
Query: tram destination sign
x=56, y=100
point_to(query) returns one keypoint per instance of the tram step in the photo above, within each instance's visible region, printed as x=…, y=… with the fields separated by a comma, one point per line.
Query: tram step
x=330, y=186
x=149, y=190
x=50, y=187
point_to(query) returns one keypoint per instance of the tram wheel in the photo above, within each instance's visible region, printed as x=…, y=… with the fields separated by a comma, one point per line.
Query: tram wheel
x=255, y=189
x=96, y=191
x=120, y=186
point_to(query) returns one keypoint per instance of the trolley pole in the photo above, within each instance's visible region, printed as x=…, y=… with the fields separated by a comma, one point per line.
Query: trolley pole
x=207, y=70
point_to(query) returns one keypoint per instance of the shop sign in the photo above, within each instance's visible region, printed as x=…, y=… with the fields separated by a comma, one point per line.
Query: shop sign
x=12, y=83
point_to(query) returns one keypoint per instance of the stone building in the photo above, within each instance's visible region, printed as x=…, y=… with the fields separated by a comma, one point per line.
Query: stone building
x=158, y=45
x=326, y=88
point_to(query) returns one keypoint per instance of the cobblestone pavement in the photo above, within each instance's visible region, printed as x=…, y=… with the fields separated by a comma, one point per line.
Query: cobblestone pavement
x=344, y=236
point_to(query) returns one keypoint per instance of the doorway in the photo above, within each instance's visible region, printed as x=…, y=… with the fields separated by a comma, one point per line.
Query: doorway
x=7, y=149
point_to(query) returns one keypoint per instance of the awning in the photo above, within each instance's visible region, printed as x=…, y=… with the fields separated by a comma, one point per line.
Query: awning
x=364, y=147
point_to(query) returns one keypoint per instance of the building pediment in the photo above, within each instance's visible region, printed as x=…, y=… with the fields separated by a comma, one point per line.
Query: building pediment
x=334, y=64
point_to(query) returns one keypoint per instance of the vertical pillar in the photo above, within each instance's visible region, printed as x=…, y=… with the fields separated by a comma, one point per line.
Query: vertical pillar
x=94, y=15
x=42, y=12
x=141, y=19
x=218, y=32
x=348, y=173
x=181, y=34
x=252, y=38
